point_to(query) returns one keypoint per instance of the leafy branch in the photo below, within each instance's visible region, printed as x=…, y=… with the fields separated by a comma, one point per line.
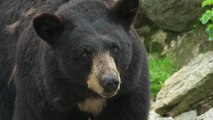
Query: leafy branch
x=207, y=18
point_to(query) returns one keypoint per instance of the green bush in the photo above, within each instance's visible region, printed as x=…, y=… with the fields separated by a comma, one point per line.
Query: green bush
x=207, y=18
x=161, y=68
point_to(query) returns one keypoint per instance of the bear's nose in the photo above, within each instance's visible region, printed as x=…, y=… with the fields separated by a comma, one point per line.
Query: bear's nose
x=110, y=83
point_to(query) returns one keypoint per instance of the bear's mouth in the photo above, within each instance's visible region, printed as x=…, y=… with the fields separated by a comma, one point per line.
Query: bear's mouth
x=109, y=95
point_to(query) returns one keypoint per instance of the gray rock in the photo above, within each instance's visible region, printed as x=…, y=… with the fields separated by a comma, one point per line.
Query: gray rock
x=207, y=116
x=174, y=15
x=190, y=115
x=187, y=87
x=154, y=116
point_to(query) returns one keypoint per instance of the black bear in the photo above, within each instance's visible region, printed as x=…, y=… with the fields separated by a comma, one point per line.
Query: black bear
x=71, y=60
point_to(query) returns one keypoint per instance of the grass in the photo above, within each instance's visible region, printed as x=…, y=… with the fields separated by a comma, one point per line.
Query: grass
x=161, y=68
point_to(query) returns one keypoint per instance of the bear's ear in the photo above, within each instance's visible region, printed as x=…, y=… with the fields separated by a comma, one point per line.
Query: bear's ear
x=48, y=26
x=126, y=10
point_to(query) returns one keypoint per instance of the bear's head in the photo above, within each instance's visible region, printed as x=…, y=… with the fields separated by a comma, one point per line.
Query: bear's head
x=91, y=44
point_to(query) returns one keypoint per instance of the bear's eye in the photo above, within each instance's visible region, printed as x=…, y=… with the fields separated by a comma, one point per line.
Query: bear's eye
x=85, y=53
x=114, y=48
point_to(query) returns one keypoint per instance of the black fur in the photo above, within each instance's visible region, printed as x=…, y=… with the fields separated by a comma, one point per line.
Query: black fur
x=48, y=66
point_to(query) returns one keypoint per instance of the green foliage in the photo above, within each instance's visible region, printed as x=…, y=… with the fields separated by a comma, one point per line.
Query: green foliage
x=207, y=3
x=161, y=68
x=207, y=18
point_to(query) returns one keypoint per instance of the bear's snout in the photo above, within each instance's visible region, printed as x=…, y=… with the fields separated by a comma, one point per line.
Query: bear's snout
x=110, y=83
x=104, y=77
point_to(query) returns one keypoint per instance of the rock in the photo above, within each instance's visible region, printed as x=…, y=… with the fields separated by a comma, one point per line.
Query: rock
x=190, y=115
x=159, y=37
x=206, y=116
x=186, y=88
x=174, y=15
x=190, y=44
x=154, y=116
x=187, y=45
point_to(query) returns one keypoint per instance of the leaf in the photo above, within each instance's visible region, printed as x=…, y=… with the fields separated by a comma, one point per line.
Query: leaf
x=206, y=17
x=209, y=31
x=207, y=3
